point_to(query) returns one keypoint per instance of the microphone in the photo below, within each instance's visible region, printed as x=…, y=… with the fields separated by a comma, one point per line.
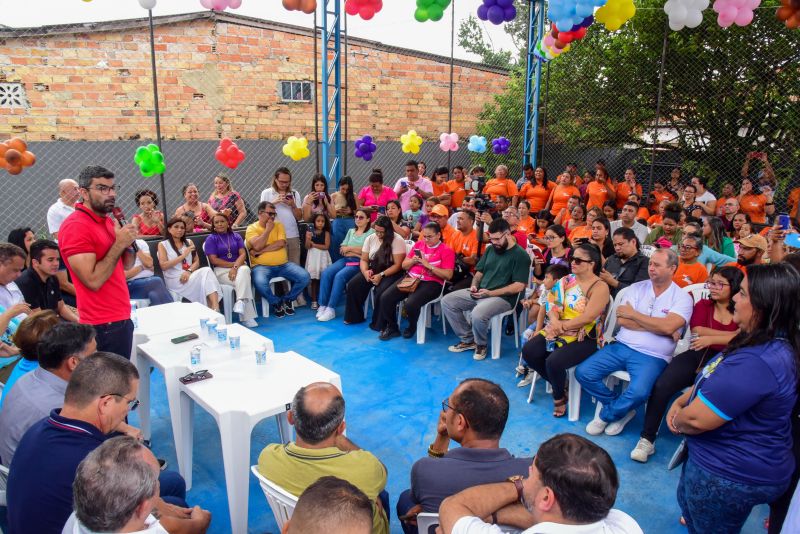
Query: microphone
x=120, y=217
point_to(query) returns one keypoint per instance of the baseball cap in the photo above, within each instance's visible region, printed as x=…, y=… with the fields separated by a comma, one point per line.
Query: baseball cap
x=440, y=210
x=754, y=241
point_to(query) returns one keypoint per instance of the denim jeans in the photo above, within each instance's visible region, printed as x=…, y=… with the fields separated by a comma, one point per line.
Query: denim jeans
x=295, y=274
x=712, y=504
x=644, y=371
x=339, y=228
x=333, y=281
x=115, y=337
x=151, y=288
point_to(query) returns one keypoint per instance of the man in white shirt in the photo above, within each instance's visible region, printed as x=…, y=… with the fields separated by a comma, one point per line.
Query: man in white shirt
x=12, y=262
x=652, y=315
x=627, y=219
x=571, y=486
x=68, y=195
x=412, y=184
x=703, y=196
x=287, y=204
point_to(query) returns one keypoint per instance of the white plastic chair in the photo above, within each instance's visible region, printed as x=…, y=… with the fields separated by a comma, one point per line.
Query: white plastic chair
x=265, y=302
x=426, y=520
x=611, y=317
x=496, y=328
x=425, y=317
x=3, y=484
x=697, y=291
x=281, y=501
x=228, y=294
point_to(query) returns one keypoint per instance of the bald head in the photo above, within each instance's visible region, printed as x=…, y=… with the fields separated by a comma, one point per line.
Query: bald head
x=68, y=191
x=317, y=411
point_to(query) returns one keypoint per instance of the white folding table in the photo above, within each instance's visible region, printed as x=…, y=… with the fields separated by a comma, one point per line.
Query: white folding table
x=239, y=396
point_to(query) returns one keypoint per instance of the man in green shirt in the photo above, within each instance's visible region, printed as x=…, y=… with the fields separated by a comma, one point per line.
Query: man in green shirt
x=500, y=276
x=321, y=449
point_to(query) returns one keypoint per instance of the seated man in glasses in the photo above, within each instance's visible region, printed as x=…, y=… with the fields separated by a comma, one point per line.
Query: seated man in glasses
x=99, y=395
x=690, y=271
x=652, y=316
x=474, y=416
x=269, y=256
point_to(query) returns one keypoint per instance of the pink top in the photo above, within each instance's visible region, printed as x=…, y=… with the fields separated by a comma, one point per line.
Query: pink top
x=441, y=256
x=369, y=199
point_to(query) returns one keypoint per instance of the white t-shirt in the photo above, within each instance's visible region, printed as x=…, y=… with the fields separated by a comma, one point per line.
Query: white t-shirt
x=706, y=197
x=73, y=526
x=643, y=299
x=285, y=214
x=141, y=244
x=56, y=215
x=422, y=183
x=616, y=522
x=373, y=243
x=638, y=228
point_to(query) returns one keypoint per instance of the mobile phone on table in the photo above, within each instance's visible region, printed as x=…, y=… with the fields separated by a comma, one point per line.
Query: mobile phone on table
x=184, y=339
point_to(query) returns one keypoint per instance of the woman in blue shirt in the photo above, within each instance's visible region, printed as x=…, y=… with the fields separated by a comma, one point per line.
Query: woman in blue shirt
x=738, y=415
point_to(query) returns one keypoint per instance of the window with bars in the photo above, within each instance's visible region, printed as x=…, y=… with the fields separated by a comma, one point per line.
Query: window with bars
x=13, y=96
x=295, y=91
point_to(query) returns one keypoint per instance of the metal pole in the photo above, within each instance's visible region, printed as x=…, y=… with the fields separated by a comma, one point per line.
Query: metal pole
x=345, y=117
x=537, y=87
x=546, y=101
x=316, y=96
x=155, y=105
x=452, y=68
x=658, y=105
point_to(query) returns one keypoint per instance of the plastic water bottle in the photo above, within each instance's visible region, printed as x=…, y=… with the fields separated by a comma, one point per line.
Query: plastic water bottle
x=261, y=354
x=195, y=356
x=134, y=315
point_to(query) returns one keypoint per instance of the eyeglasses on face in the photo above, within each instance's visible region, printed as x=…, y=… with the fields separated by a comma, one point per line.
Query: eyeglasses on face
x=105, y=189
x=360, y=217
x=715, y=285
x=269, y=213
x=687, y=247
x=499, y=238
x=446, y=406
x=132, y=404
x=579, y=260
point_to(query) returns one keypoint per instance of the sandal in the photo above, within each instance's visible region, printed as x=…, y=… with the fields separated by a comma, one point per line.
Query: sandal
x=560, y=407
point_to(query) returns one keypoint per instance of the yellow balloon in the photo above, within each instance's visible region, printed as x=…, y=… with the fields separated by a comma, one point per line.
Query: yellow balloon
x=615, y=13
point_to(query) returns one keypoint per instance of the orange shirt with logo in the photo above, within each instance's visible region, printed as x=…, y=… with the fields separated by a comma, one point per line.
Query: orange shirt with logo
x=497, y=186
x=755, y=207
x=439, y=189
x=598, y=194
x=527, y=225
x=537, y=195
x=659, y=196
x=466, y=245
x=690, y=273
x=624, y=191
x=561, y=194
x=457, y=193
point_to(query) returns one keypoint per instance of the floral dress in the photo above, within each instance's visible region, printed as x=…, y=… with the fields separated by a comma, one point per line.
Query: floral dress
x=568, y=299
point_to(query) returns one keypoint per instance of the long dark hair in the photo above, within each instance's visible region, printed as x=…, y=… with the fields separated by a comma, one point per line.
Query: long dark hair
x=774, y=291
x=734, y=277
x=607, y=242
x=384, y=255
x=399, y=209
x=17, y=237
x=715, y=240
x=350, y=197
x=560, y=232
x=170, y=223
x=319, y=177
x=325, y=228
x=365, y=214
x=594, y=255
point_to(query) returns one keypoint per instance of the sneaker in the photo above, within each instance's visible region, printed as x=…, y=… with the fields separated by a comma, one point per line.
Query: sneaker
x=288, y=307
x=596, y=427
x=389, y=333
x=409, y=333
x=526, y=380
x=480, y=352
x=239, y=306
x=521, y=370
x=644, y=449
x=277, y=310
x=462, y=346
x=328, y=315
x=162, y=463
x=314, y=305
x=617, y=426
x=321, y=310
x=250, y=323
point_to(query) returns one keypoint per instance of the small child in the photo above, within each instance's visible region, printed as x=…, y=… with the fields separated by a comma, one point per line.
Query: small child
x=318, y=242
x=430, y=202
x=412, y=215
x=538, y=307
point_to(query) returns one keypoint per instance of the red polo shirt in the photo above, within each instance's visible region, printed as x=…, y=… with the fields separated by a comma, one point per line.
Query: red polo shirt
x=84, y=232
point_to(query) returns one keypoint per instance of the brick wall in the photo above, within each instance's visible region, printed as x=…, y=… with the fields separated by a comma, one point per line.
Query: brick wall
x=219, y=76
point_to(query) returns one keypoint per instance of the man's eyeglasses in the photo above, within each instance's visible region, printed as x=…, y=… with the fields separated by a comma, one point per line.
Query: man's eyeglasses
x=446, y=406
x=270, y=213
x=499, y=238
x=132, y=404
x=687, y=247
x=105, y=189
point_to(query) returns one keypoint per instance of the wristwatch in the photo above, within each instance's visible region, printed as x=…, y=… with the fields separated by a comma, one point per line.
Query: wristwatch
x=517, y=481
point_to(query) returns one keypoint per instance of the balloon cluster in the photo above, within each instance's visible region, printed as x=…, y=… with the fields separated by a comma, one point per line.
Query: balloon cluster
x=296, y=148
x=430, y=10
x=14, y=156
x=306, y=6
x=738, y=11
x=500, y=145
x=365, y=148
x=448, y=142
x=570, y=13
x=615, y=13
x=411, y=142
x=789, y=13
x=229, y=154
x=150, y=160
x=147, y=4
x=366, y=9
x=221, y=5
x=477, y=143
x=685, y=13
x=497, y=11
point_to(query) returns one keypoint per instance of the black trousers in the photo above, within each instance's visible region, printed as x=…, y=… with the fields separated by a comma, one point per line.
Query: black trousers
x=357, y=291
x=679, y=374
x=115, y=337
x=552, y=366
x=425, y=292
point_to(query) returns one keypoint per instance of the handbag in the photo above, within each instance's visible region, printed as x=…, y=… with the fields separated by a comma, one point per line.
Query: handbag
x=408, y=284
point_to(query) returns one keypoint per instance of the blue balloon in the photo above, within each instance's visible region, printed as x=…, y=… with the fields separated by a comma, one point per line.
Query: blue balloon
x=588, y=21
x=584, y=10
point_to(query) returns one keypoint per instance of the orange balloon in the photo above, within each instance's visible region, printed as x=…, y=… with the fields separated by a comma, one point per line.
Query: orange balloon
x=28, y=159
x=13, y=157
x=3, y=164
x=17, y=144
x=3, y=149
x=15, y=170
x=291, y=5
x=308, y=6
x=794, y=22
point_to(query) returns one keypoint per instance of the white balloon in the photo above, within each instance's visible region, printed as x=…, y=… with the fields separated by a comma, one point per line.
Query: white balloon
x=694, y=19
x=147, y=4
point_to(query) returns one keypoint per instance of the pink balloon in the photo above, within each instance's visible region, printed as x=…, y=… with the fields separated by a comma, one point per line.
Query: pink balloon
x=744, y=17
x=548, y=40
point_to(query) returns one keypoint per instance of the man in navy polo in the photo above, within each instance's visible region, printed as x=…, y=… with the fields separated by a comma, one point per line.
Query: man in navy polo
x=101, y=391
x=97, y=250
x=474, y=416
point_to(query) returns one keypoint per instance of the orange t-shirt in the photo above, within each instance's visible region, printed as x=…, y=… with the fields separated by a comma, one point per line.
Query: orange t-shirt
x=738, y=265
x=659, y=196
x=690, y=273
x=497, y=186
x=643, y=213
x=527, y=225
x=655, y=219
x=792, y=201
x=537, y=195
x=561, y=194
x=438, y=189
x=457, y=193
x=466, y=245
x=623, y=191
x=598, y=194
x=754, y=206
x=447, y=232
x=581, y=232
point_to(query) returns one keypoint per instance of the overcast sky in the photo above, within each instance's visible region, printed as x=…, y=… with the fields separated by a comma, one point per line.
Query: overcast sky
x=394, y=25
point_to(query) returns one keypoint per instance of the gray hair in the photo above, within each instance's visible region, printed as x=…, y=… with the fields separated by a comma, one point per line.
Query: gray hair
x=102, y=373
x=111, y=482
x=328, y=504
x=697, y=239
x=672, y=256
x=315, y=427
x=8, y=251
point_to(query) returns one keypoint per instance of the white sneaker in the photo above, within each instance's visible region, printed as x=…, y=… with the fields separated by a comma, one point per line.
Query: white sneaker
x=644, y=449
x=328, y=315
x=616, y=427
x=321, y=310
x=526, y=380
x=480, y=352
x=520, y=370
x=596, y=427
x=239, y=306
x=250, y=323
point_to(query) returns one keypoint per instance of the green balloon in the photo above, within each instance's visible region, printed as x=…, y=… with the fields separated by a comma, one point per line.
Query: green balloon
x=157, y=157
x=443, y=3
x=425, y=3
x=421, y=14
x=141, y=154
x=160, y=168
x=435, y=12
x=152, y=147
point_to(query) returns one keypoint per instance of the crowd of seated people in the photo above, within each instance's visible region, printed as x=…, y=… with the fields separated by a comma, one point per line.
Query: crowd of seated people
x=554, y=252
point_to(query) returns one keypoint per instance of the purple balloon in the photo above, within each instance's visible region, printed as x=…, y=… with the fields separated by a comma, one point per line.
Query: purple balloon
x=367, y=139
x=505, y=3
x=496, y=15
x=372, y=147
x=359, y=142
x=359, y=154
x=367, y=156
x=490, y=3
x=576, y=27
x=586, y=22
x=510, y=13
x=483, y=12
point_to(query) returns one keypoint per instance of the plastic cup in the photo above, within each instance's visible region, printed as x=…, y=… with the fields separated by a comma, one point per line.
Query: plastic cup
x=261, y=356
x=211, y=327
x=195, y=356
x=222, y=334
x=235, y=342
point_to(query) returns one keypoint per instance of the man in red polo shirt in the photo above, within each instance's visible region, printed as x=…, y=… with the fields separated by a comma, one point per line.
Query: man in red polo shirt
x=96, y=250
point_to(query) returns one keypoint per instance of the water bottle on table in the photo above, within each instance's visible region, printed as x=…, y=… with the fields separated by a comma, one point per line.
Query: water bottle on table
x=211, y=328
x=195, y=356
x=261, y=354
x=204, y=326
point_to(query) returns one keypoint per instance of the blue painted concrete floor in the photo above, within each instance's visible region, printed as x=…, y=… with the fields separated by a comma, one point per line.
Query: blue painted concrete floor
x=393, y=391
